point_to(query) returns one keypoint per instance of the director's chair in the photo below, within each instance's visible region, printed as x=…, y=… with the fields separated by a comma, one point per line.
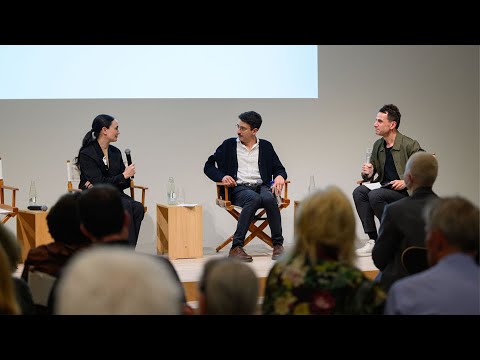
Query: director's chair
x=255, y=231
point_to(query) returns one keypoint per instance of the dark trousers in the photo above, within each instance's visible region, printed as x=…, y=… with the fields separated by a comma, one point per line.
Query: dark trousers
x=136, y=212
x=250, y=200
x=370, y=203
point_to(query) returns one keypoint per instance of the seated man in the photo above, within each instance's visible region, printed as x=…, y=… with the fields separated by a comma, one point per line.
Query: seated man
x=247, y=165
x=402, y=223
x=388, y=159
x=450, y=286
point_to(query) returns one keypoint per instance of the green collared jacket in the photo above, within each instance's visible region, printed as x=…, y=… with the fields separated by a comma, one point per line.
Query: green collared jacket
x=402, y=149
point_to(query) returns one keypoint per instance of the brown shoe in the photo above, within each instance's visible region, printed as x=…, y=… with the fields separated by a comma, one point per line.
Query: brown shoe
x=277, y=251
x=239, y=254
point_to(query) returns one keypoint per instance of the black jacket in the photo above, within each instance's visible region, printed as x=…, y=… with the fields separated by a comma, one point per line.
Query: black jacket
x=402, y=225
x=225, y=158
x=93, y=169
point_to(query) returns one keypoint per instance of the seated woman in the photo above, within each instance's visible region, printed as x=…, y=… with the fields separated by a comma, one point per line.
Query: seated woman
x=318, y=275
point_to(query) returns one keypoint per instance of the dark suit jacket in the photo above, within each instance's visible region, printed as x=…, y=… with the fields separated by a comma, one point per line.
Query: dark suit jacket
x=225, y=158
x=401, y=226
x=93, y=169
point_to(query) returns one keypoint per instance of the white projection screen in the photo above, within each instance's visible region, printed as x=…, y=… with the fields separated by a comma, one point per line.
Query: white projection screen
x=158, y=71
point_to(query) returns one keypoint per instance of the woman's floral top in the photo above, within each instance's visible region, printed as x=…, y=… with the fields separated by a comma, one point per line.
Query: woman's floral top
x=295, y=287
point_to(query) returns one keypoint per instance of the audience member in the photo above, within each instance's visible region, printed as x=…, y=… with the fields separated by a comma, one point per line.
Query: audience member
x=318, y=275
x=451, y=286
x=13, y=252
x=8, y=300
x=104, y=221
x=402, y=222
x=227, y=287
x=64, y=225
x=117, y=281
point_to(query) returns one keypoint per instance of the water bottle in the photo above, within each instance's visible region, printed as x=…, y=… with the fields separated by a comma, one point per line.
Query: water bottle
x=311, y=185
x=32, y=195
x=171, y=194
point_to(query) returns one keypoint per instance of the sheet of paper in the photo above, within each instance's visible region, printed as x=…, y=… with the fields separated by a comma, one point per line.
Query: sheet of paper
x=188, y=205
x=372, y=186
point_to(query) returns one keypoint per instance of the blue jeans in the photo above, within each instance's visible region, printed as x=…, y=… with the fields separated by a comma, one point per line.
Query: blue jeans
x=250, y=201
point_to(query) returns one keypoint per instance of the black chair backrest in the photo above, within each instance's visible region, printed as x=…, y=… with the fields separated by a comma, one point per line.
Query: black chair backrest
x=414, y=259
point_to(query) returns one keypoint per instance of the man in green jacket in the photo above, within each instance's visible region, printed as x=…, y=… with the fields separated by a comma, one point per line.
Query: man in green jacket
x=387, y=161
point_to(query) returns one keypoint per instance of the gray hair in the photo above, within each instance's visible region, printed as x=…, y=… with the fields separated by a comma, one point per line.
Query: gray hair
x=230, y=287
x=457, y=219
x=111, y=280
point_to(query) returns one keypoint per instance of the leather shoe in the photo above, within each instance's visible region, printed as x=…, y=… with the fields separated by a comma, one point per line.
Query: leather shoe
x=239, y=254
x=277, y=251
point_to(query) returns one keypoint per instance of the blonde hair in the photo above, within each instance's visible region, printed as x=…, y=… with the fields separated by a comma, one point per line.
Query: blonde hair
x=8, y=300
x=325, y=219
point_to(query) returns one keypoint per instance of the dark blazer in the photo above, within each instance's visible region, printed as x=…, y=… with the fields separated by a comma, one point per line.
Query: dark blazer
x=227, y=163
x=401, y=226
x=93, y=169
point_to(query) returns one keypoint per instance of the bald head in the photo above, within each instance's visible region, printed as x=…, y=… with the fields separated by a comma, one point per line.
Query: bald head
x=421, y=170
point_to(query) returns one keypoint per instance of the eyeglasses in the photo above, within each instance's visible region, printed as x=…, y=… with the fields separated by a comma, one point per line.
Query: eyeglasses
x=241, y=128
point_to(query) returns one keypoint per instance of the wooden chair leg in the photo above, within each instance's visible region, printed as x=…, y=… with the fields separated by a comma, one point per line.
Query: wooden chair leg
x=225, y=243
x=257, y=231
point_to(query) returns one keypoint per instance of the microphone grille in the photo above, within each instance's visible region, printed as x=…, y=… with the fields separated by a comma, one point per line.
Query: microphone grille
x=127, y=151
x=44, y=207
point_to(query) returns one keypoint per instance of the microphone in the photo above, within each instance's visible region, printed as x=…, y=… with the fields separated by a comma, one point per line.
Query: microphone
x=129, y=158
x=37, y=207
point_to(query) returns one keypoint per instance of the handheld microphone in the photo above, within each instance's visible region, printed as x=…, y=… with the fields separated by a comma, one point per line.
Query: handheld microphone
x=129, y=158
x=37, y=207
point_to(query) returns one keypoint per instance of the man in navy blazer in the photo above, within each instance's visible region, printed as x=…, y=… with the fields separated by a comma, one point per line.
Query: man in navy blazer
x=402, y=224
x=248, y=166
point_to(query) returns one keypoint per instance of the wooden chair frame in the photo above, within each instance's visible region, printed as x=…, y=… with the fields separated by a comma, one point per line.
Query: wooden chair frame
x=12, y=209
x=255, y=231
x=132, y=188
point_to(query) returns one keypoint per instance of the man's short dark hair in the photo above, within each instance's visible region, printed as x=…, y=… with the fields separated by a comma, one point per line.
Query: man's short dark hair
x=251, y=118
x=63, y=220
x=101, y=210
x=393, y=114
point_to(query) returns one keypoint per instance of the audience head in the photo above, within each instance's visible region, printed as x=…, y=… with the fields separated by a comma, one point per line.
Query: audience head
x=251, y=118
x=228, y=287
x=11, y=246
x=421, y=170
x=8, y=300
x=325, y=223
x=102, y=213
x=64, y=221
x=393, y=114
x=117, y=281
x=451, y=225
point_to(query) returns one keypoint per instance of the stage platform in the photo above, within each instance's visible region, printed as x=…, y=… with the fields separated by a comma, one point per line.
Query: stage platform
x=190, y=270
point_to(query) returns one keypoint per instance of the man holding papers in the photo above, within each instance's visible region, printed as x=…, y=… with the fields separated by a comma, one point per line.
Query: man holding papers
x=389, y=156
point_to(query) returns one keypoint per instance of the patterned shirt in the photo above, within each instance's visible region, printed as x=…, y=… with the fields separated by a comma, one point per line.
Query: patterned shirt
x=329, y=287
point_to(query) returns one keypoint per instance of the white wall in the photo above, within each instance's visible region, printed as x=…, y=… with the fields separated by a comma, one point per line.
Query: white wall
x=435, y=87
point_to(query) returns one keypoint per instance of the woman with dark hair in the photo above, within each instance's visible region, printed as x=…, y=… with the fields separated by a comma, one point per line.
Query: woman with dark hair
x=100, y=163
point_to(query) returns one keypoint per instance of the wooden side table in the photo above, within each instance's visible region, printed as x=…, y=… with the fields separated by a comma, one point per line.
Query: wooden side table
x=32, y=230
x=179, y=231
